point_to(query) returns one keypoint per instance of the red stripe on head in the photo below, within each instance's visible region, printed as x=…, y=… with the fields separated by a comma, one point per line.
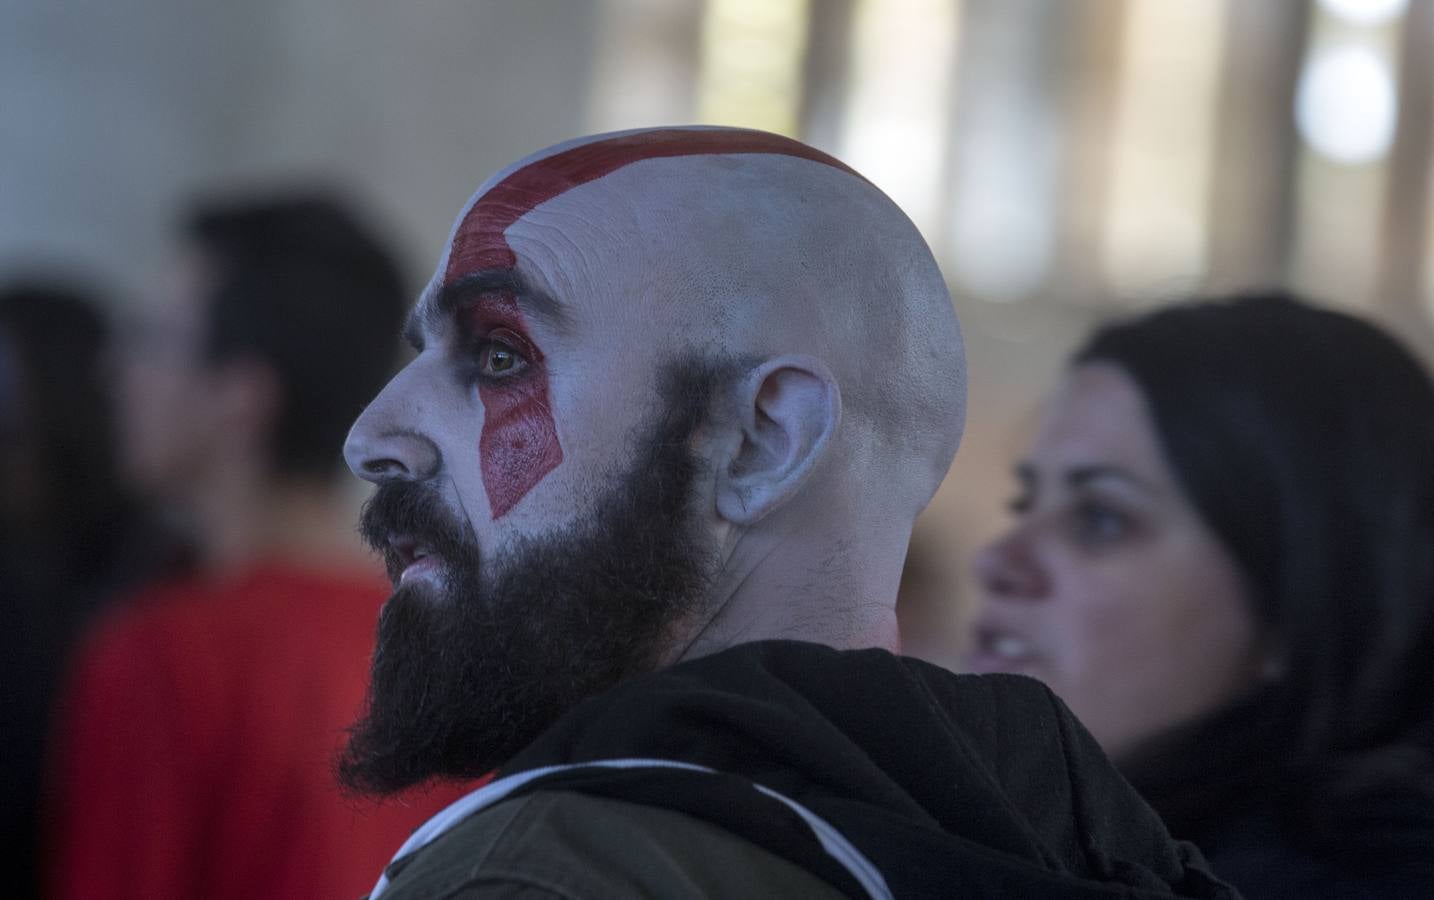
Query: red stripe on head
x=479, y=242
x=519, y=445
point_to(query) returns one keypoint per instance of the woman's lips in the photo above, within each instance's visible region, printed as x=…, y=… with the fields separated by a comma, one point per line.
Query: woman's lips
x=999, y=650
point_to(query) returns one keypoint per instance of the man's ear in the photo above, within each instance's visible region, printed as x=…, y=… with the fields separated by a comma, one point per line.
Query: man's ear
x=787, y=409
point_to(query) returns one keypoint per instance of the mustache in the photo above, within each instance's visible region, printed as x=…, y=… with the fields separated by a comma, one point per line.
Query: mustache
x=413, y=510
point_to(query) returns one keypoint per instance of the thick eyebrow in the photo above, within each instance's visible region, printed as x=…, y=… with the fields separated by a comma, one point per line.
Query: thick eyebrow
x=1080, y=476
x=1083, y=475
x=439, y=306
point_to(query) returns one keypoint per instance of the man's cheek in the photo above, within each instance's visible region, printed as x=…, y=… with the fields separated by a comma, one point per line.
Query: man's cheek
x=519, y=445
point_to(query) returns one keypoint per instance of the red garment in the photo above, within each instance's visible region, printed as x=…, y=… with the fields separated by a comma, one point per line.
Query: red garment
x=194, y=756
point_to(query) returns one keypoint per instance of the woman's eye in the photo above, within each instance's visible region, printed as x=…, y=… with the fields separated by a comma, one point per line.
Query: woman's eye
x=497, y=360
x=1097, y=524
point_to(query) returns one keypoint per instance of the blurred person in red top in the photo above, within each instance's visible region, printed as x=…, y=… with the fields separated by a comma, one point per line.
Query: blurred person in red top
x=195, y=746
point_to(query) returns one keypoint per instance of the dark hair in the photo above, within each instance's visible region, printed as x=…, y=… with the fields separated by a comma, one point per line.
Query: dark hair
x=305, y=289
x=71, y=539
x=1305, y=439
x=57, y=409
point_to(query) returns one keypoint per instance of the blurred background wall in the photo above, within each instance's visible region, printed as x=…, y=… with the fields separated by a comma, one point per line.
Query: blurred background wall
x=1067, y=159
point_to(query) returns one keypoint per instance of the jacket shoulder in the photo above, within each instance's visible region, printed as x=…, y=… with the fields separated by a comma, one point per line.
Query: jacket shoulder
x=562, y=844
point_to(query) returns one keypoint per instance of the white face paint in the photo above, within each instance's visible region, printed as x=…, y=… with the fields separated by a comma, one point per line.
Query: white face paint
x=530, y=396
x=586, y=542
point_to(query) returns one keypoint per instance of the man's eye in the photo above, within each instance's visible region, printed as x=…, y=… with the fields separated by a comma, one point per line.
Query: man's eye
x=499, y=360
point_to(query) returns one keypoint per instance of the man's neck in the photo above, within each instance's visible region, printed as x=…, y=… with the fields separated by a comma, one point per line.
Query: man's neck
x=820, y=587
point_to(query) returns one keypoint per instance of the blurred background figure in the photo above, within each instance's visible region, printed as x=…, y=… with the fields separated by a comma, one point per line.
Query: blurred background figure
x=195, y=745
x=72, y=537
x=1222, y=562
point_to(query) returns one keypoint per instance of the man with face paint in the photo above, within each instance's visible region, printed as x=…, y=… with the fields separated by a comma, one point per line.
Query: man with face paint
x=192, y=753
x=644, y=495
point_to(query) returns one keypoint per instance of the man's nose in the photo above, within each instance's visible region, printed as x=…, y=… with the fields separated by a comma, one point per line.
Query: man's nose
x=1008, y=569
x=383, y=445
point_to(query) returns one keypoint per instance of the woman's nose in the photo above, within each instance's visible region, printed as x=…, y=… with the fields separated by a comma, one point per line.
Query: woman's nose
x=1009, y=569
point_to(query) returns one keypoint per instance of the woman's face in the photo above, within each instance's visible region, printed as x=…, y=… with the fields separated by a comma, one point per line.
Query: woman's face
x=1109, y=587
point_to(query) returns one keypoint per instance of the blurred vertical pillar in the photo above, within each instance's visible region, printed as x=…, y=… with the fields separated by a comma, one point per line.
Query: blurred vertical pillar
x=1091, y=69
x=645, y=72
x=1346, y=107
x=1161, y=148
x=1252, y=191
x=1405, y=295
x=895, y=126
x=1006, y=147
x=826, y=73
x=752, y=57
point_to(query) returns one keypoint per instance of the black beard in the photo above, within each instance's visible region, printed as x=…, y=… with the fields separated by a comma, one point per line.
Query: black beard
x=466, y=675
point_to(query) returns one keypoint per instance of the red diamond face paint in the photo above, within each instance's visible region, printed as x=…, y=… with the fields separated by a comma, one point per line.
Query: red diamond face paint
x=519, y=445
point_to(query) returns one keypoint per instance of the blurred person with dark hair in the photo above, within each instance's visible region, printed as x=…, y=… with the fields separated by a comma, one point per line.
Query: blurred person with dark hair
x=1223, y=561
x=196, y=746
x=72, y=538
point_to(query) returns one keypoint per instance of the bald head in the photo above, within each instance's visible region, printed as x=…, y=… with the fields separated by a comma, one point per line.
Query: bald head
x=674, y=390
x=749, y=246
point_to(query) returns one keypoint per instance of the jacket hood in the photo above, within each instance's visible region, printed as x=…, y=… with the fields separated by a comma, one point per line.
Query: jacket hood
x=983, y=785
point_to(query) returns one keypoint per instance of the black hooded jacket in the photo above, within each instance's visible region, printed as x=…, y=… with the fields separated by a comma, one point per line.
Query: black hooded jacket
x=951, y=785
